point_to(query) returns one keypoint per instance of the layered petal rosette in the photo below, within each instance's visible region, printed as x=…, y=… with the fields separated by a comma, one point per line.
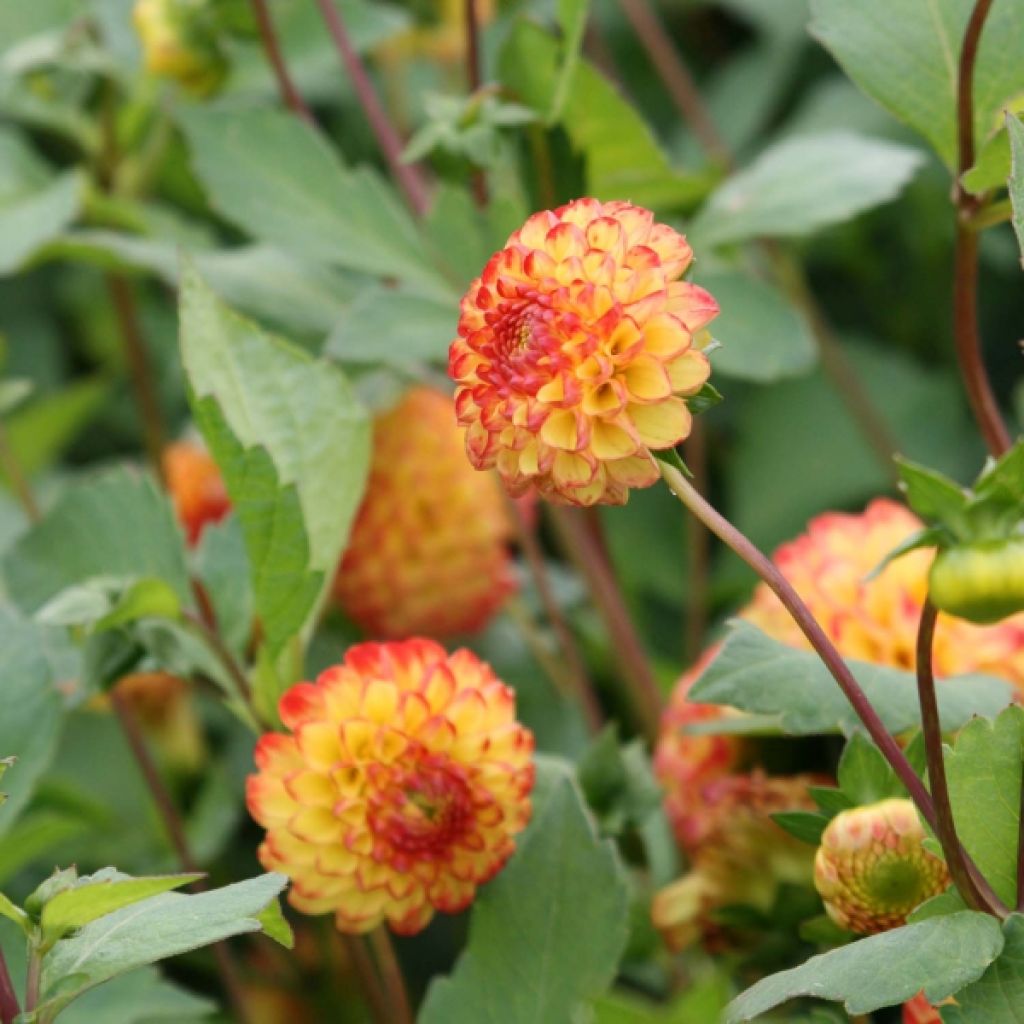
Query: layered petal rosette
x=876, y=618
x=577, y=347
x=429, y=550
x=872, y=869
x=399, y=788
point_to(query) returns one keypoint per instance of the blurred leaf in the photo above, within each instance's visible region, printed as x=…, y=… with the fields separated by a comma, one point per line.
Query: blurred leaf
x=992, y=167
x=259, y=279
x=35, y=204
x=140, y=997
x=293, y=444
x=34, y=836
x=997, y=996
x=803, y=184
x=940, y=956
x=621, y=153
x=755, y=673
x=13, y=392
x=763, y=337
x=105, y=602
x=984, y=774
x=114, y=523
x=903, y=54
x=31, y=718
x=572, y=20
x=1015, y=129
x=222, y=565
x=865, y=777
x=94, y=896
x=40, y=431
x=388, y=326
x=701, y=1003
x=525, y=961
x=806, y=826
x=275, y=177
x=617, y=781
x=159, y=927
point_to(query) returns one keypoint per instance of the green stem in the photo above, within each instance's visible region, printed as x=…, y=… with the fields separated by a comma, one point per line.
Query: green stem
x=968, y=880
x=392, y=980
x=33, y=976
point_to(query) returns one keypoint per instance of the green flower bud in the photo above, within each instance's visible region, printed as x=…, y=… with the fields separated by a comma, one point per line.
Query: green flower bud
x=981, y=582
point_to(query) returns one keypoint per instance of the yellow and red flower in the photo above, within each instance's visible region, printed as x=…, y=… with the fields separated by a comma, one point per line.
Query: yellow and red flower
x=871, y=869
x=400, y=788
x=743, y=858
x=876, y=619
x=577, y=347
x=196, y=487
x=429, y=550
x=685, y=764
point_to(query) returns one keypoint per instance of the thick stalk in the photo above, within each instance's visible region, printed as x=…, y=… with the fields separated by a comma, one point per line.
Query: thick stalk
x=175, y=829
x=275, y=57
x=587, y=553
x=33, y=977
x=139, y=368
x=407, y=175
x=965, y=262
x=369, y=981
x=391, y=976
x=809, y=626
x=945, y=827
x=9, y=1008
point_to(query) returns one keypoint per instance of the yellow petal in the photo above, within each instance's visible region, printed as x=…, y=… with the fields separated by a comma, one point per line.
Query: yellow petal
x=646, y=380
x=689, y=371
x=662, y=425
x=560, y=430
x=608, y=441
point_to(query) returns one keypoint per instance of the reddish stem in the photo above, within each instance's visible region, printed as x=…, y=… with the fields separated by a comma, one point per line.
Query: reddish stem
x=407, y=175
x=275, y=56
x=9, y=1008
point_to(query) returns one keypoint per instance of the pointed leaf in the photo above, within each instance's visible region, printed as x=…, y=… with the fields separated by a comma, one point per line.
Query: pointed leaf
x=939, y=955
x=1015, y=128
x=865, y=777
x=997, y=997
x=932, y=495
x=548, y=931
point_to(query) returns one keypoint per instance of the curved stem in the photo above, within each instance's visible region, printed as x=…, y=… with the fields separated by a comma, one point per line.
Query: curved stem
x=407, y=175
x=275, y=56
x=801, y=614
x=212, y=640
x=391, y=976
x=970, y=884
x=965, y=270
x=698, y=547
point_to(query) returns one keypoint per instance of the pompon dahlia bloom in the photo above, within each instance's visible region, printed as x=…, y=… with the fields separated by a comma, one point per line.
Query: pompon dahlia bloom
x=577, y=345
x=743, y=859
x=429, y=550
x=196, y=486
x=876, y=620
x=686, y=764
x=399, y=789
x=872, y=869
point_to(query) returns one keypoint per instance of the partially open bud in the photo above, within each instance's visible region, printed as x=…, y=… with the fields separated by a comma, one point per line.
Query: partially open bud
x=196, y=487
x=872, y=869
x=979, y=582
x=179, y=41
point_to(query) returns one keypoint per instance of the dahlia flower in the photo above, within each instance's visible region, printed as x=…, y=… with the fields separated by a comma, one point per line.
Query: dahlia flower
x=684, y=764
x=196, y=487
x=743, y=859
x=872, y=869
x=577, y=347
x=876, y=620
x=429, y=549
x=399, y=788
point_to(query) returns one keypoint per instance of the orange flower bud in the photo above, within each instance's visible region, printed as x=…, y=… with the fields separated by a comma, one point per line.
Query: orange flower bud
x=872, y=869
x=398, y=790
x=577, y=346
x=196, y=487
x=428, y=552
x=919, y=1011
x=876, y=619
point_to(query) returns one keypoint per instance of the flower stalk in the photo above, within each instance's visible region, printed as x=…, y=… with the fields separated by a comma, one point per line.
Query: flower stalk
x=290, y=94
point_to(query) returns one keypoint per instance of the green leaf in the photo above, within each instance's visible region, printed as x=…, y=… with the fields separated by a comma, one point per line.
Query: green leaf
x=865, y=777
x=939, y=955
x=114, y=523
x=293, y=444
x=141, y=997
x=222, y=565
x=992, y=167
x=1015, y=129
x=997, y=997
x=275, y=925
x=757, y=674
x=155, y=929
x=806, y=826
x=617, y=781
x=803, y=184
x=278, y=179
x=525, y=961
x=572, y=19
x=31, y=719
x=984, y=774
x=1003, y=478
x=763, y=337
x=35, y=204
x=107, y=602
x=932, y=495
x=94, y=896
x=903, y=53
x=385, y=325
x=622, y=156
x=14, y=913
